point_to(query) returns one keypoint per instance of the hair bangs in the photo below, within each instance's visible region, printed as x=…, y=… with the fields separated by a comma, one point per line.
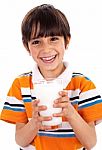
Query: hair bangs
x=46, y=25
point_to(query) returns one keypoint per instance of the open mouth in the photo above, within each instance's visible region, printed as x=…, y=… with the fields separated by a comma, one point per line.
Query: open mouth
x=48, y=59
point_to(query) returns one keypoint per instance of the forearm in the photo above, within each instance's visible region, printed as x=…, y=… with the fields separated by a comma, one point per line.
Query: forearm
x=25, y=134
x=84, y=132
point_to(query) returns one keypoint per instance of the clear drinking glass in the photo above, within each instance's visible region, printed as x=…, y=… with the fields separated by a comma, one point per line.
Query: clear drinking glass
x=47, y=91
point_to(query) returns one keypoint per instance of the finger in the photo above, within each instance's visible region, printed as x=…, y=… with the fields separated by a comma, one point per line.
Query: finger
x=61, y=105
x=42, y=108
x=34, y=108
x=37, y=109
x=62, y=100
x=48, y=118
x=43, y=127
x=58, y=114
x=63, y=93
x=34, y=104
x=35, y=113
x=41, y=119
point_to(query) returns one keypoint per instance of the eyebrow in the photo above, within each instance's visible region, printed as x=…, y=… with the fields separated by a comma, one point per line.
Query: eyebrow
x=34, y=38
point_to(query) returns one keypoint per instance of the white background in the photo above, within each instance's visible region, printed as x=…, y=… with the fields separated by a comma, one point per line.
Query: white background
x=84, y=52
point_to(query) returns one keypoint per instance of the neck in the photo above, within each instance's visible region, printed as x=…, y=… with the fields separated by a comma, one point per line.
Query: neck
x=53, y=73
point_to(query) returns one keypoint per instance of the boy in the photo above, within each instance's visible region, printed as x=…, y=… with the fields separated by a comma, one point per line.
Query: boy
x=46, y=35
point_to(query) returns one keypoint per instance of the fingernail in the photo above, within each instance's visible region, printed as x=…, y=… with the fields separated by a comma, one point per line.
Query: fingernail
x=56, y=101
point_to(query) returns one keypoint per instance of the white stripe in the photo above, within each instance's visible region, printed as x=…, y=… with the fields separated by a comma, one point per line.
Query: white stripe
x=66, y=125
x=15, y=107
x=56, y=133
x=29, y=119
x=73, y=93
x=24, y=98
x=98, y=121
x=25, y=91
x=89, y=102
x=13, y=100
x=33, y=93
x=30, y=147
x=88, y=94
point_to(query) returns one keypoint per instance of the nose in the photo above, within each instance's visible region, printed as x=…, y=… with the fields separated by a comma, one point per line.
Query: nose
x=46, y=47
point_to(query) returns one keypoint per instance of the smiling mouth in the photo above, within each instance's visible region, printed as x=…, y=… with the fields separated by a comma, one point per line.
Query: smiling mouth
x=48, y=59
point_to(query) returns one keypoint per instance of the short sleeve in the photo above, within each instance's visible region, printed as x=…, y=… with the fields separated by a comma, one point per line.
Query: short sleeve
x=90, y=102
x=14, y=109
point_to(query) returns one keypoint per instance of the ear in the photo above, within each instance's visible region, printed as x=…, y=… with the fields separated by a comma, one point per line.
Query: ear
x=67, y=42
x=26, y=47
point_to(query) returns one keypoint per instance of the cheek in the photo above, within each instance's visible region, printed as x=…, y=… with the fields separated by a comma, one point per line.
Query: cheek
x=61, y=49
x=34, y=54
x=62, y=45
x=62, y=52
x=33, y=51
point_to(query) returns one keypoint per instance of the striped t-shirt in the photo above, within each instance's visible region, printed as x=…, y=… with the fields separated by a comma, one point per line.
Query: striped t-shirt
x=83, y=96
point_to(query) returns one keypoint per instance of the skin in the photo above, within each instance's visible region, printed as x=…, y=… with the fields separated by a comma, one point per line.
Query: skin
x=48, y=53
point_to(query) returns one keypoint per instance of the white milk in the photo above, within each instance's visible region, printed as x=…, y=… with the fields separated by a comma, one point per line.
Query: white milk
x=47, y=92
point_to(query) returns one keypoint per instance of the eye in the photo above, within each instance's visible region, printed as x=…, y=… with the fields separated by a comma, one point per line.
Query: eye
x=35, y=42
x=54, y=38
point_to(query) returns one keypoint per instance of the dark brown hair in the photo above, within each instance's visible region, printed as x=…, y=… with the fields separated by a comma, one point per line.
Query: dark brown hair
x=44, y=20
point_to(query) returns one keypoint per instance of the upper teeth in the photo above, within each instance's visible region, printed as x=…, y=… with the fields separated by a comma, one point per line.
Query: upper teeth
x=48, y=58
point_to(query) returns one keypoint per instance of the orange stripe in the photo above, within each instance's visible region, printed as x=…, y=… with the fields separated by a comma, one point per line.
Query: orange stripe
x=92, y=113
x=50, y=143
x=13, y=117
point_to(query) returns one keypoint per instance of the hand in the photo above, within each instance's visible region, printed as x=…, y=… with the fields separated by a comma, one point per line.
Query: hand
x=64, y=103
x=36, y=118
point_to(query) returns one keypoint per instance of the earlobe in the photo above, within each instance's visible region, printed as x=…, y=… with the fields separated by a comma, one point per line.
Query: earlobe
x=67, y=43
x=67, y=46
x=26, y=47
x=68, y=40
x=29, y=53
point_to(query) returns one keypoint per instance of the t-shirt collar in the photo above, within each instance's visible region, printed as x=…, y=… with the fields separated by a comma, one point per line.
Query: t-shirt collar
x=65, y=76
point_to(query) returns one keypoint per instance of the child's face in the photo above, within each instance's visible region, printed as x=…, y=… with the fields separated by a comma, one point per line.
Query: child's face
x=48, y=52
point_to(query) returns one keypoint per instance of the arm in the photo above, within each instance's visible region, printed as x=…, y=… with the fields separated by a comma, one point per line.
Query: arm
x=85, y=132
x=25, y=133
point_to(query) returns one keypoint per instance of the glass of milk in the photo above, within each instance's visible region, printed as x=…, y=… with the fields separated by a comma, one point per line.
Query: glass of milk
x=47, y=91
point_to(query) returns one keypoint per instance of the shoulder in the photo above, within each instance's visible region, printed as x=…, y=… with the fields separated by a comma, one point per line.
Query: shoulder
x=26, y=74
x=80, y=75
x=23, y=79
x=82, y=82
